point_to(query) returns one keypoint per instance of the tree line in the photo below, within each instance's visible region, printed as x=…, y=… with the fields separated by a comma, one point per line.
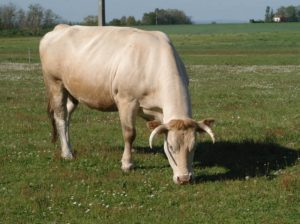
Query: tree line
x=31, y=21
x=156, y=17
x=36, y=20
x=286, y=14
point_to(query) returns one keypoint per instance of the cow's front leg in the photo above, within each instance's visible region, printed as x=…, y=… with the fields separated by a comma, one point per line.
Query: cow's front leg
x=128, y=111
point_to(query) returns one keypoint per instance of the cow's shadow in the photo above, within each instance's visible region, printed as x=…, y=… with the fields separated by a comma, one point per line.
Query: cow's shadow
x=243, y=160
x=237, y=160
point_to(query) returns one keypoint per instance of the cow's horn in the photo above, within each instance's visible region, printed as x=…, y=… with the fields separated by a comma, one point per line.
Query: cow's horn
x=158, y=130
x=207, y=129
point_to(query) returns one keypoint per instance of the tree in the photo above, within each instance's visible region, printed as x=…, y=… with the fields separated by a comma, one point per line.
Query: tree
x=291, y=13
x=115, y=22
x=272, y=15
x=169, y=16
x=130, y=21
x=268, y=15
x=21, y=19
x=149, y=18
x=90, y=21
x=8, y=16
x=35, y=17
x=123, y=20
x=33, y=20
x=178, y=17
x=50, y=19
x=159, y=16
x=281, y=12
x=298, y=13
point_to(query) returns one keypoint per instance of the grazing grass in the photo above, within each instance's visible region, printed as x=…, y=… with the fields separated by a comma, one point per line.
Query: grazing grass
x=226, y=28
x=222, y=44
x=251, y=175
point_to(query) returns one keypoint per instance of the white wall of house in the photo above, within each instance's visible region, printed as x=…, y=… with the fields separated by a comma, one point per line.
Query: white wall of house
x=277, y=19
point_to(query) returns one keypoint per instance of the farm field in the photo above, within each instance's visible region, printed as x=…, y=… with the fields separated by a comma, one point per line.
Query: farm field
x=245, y=76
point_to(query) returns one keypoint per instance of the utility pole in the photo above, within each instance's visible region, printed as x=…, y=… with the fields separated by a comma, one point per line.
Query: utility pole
x=156, y=16
x=101, y=14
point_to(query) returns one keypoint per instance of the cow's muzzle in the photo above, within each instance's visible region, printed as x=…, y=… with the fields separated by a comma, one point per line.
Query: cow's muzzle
x=184, y=179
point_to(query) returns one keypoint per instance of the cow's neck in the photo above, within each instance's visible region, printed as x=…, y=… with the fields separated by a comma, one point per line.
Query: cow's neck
x=175, y=99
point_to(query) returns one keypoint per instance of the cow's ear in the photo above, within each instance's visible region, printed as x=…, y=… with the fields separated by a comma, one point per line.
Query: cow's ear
x=205, y=123
x=153, y=124
x=209, y=122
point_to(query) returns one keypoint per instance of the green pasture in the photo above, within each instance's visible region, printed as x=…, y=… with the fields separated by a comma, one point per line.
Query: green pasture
x=225, y=44
x=245, y=76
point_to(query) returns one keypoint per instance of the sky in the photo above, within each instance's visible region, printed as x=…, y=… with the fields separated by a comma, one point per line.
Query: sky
x=200, y=11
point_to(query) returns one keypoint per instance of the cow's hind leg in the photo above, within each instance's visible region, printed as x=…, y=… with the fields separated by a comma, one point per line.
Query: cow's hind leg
x=60, y=115
x=71, y=106
x=128, y=112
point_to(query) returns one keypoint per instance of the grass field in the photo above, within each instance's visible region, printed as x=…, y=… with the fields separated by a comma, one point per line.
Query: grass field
x=226, y=44
x=245, y=76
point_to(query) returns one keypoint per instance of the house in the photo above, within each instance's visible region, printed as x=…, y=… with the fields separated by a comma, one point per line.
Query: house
x=277, y=19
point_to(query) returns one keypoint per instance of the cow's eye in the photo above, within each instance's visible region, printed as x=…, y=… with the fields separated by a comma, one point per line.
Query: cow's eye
x=173, y=149
x=170, y=147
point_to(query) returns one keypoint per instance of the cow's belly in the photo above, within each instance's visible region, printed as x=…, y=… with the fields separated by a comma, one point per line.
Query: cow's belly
x=94, y=95
x=99, y=104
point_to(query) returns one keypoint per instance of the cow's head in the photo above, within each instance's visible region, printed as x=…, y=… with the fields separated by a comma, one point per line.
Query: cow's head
x=179, y=144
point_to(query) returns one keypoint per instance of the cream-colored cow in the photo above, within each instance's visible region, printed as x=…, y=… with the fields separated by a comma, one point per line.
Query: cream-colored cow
x=128, y=70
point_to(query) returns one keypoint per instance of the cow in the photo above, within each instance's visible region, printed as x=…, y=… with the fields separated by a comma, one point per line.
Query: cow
x=132, y=71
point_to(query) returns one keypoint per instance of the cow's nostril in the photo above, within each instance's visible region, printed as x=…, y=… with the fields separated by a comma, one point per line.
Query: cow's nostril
x=185, y=179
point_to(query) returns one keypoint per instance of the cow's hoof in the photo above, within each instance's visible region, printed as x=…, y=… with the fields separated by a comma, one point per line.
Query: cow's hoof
x=68, y=156
x=127, y=167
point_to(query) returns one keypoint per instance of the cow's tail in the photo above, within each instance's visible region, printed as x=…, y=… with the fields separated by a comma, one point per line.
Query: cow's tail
x=51, y=116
